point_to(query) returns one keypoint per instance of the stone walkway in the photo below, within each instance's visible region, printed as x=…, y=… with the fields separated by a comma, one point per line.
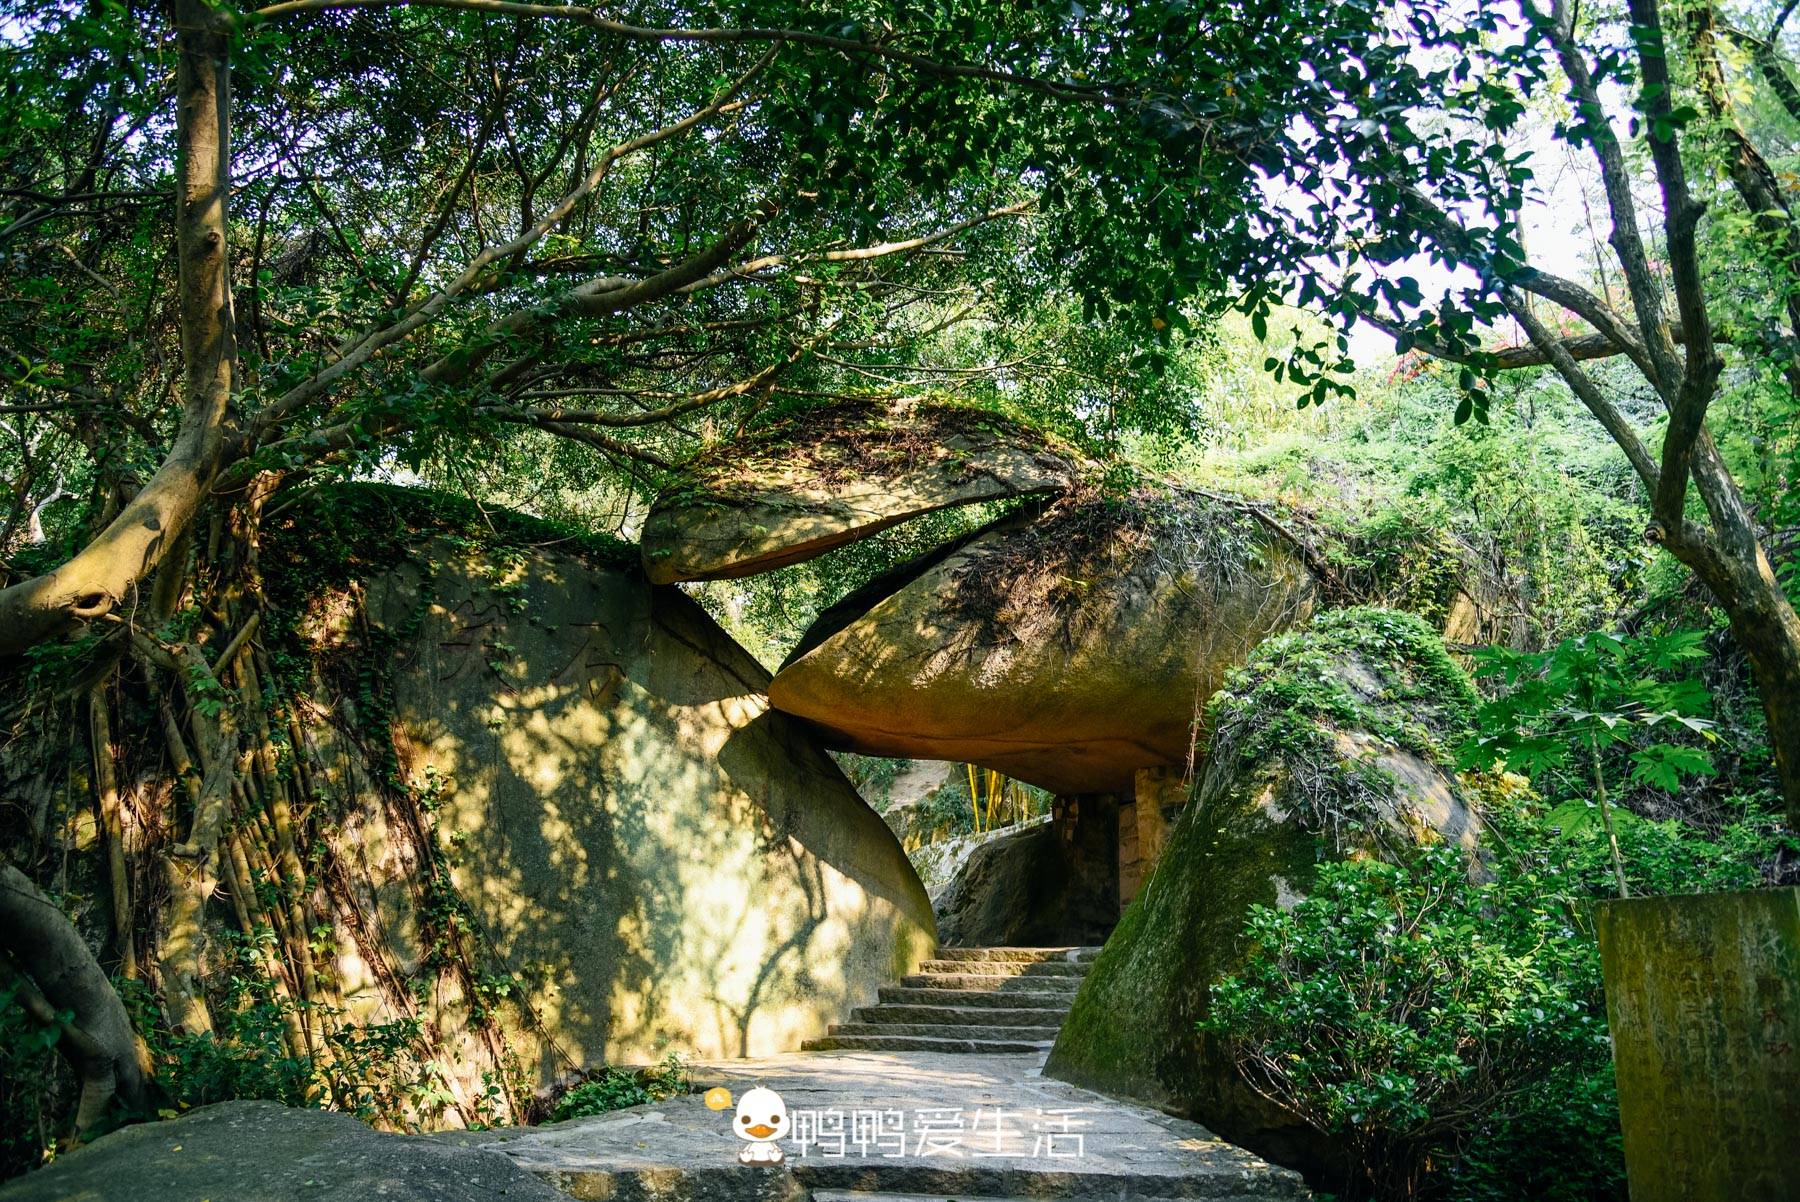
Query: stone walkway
x=899, y=1127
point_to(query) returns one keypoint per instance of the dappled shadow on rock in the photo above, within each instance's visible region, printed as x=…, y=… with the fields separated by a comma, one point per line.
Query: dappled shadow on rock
x=837, y=473
x=662, y=863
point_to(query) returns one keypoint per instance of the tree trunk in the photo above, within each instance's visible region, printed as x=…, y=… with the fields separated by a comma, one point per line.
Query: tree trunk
x=111, y=568
x=1769, y=632
x=1765, y=625
x=98, y=1039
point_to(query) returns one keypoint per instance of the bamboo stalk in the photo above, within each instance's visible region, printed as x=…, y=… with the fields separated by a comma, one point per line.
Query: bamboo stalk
x=974, y=797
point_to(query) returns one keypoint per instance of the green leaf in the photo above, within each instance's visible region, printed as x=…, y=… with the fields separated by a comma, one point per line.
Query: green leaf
x=1573, y=817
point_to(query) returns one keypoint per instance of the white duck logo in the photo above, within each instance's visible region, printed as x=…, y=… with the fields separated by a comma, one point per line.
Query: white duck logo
x=762, y=1118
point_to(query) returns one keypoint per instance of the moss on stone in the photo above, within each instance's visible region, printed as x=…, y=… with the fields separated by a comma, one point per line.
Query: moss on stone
x=343, y=530
x=1291, y=780
x=849, y=439
x=1204, y=544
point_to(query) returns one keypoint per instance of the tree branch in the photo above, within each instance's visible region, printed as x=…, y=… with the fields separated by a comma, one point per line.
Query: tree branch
x=1100, y=94
x=109, y=568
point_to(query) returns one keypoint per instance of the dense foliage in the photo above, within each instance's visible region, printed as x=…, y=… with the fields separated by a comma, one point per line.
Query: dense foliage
x=1446, y=1020
x=612, y=1089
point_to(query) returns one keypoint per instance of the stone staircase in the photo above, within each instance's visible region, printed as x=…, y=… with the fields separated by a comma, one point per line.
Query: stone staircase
x=969, y=999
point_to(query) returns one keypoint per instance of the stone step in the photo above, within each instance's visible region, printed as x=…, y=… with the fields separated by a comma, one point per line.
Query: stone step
x=923, y=1043
x=1112, y=1193
x=1021, y=999
x=990, y=982
x=1008, y=968
x=977, y=1016
x=1020, y=955
x=949, y=1031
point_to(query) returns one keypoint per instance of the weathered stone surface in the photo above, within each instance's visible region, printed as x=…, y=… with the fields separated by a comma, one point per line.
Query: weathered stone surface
x=1703, y=1002
x=265, y=1152
x=833, y=475
x=1289, y=782
x=664, y=862
x=1126, y=1151
x=1019, y=890
x=1158, y=796
x=940, y=863
x=1067, y=650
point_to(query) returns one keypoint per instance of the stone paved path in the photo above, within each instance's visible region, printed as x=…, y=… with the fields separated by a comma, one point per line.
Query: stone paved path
x=1054, y=1140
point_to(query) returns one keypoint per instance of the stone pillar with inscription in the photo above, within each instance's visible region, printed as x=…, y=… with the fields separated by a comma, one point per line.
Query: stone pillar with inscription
x=1703, y=998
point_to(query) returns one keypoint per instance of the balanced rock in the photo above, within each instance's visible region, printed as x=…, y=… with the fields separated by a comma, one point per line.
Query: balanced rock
x=1330, y=743
x=1023, y=888
x=1066, y=648
x=832, y=475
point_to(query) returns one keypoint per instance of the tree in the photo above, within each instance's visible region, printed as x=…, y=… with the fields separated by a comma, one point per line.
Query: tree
x=1585, y=696
x=1415, y=140
x=414, y=237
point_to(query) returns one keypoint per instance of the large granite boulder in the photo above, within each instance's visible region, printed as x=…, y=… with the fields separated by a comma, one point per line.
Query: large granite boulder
x=832, y=475
x=265, y=1152
x=1067, y=648
x=658, y=861
x=1330, y=743
x=1024, y=888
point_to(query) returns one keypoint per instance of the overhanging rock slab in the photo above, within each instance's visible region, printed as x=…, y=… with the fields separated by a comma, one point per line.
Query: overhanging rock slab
x=834, y=475
x=1067, y=649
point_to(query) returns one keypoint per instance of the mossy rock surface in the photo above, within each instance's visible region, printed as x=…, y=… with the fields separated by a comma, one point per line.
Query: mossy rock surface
x=1067, y=648
x=1331, y=742
x=832, y=475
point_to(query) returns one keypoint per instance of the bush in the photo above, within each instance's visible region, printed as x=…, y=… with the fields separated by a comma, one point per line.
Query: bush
x=34, y=1085
x=373, y=1071
x=1450, y=1032
x=616, y=1089
x=1403, y=1009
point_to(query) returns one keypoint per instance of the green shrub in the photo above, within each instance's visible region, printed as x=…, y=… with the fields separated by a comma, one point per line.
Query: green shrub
x=1403, y=1009
x=1451, y=1032
x=34, y=1083
x=612, y=1089
x=374, y=1070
